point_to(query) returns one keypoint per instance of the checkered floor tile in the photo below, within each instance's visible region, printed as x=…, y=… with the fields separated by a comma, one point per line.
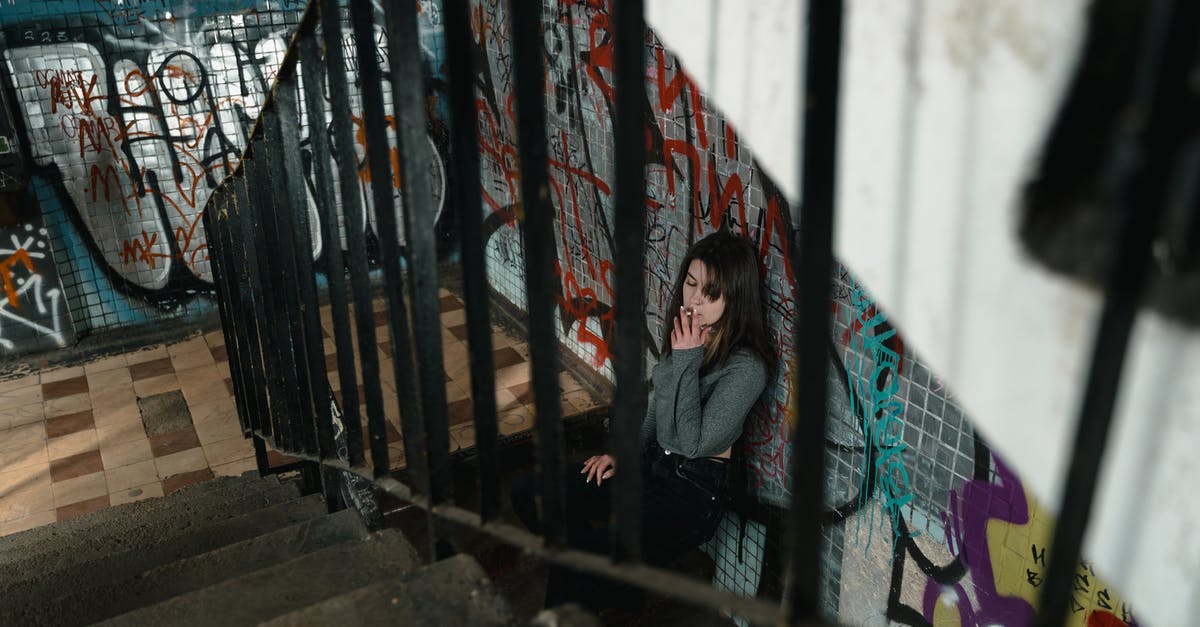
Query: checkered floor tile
x=147, y=423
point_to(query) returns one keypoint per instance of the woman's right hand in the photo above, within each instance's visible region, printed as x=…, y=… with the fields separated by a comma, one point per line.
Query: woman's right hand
x=599, y=467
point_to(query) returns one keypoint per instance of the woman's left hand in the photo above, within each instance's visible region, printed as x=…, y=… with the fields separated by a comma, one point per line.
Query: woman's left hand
x=687, y=332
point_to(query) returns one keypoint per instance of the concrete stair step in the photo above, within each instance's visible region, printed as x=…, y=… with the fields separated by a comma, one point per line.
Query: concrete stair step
x=138, y=526
x=54, y=534
x=172, y=543
x=454, y=591
x=266, y=593
x=114, y=596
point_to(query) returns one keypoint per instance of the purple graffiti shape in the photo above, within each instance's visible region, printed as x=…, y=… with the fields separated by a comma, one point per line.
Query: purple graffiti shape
x=982, y=501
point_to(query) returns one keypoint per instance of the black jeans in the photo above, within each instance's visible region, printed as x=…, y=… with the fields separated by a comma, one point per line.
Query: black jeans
x=682, y=503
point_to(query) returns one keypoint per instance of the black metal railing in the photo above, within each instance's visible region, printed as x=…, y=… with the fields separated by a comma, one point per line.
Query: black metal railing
x=260, y=236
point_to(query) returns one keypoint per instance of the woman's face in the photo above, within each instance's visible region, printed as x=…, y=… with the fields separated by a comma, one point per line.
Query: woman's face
x=703, y=309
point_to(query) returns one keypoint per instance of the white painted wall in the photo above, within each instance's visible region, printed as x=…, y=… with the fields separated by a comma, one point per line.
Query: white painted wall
x=945, y=105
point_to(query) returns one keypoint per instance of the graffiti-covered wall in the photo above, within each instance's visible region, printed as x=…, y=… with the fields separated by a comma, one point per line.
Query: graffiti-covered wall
x=925, y=524
x=129, y=114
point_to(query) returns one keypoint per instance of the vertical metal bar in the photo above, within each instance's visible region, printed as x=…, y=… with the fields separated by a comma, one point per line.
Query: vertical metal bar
x=313, y=345
x=253, y=350
x=629, y=398
x=281, y=240
x=1137, y=184
x=355, y=228
x=538, y=223
x=335, y=268
x=280, y=392
x=383, y=200
x=408, y=106
x=233, y=316
x=813, y=263
x=468, y=202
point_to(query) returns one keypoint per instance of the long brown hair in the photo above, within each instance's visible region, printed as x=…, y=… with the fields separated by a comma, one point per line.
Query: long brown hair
x=732, y=267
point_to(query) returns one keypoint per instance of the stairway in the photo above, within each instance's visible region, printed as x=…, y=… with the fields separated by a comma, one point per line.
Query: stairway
x=234, y=551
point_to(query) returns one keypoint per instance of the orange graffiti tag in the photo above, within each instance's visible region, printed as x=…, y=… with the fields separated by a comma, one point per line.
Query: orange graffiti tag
x=6, y=266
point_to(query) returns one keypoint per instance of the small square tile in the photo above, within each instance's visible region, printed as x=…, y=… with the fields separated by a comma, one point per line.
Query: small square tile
x=116, y=414
x=39, y=519
x=126, y=453
x=23, y=455
x=505, y=357
x=31, y=433
x=20, y=415
x=23, y=395
x=151, y=369
x=214, y=338
x=218, y=409
x=155, y=385
x=105, y=364
x=181, y=462
x=58, y=374
x=454, y=317
x=235, y=469
x=73, y=444
x=64, y=387
x=459, y=332
x=179, y=481
x=70, y=423
x=20, y=383
x=75, y=466
x=80, y=508
x=228, y=450
x=513, y=375
x=450, y=302
x=217, y=430
x=67, y=405
x=193, y=359
x=459, y=411
x=132, y=475
x=137, y=493
x=127, y=429
x=193, y=345
x=523, y=392
x=116, y=397
x=24, y=478
x=165, y=444
x=79, y=489
x=146, y=355
x=99, y=382
x=219, y=353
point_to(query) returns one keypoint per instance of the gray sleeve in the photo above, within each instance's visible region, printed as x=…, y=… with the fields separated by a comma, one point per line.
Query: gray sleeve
x=704, y=429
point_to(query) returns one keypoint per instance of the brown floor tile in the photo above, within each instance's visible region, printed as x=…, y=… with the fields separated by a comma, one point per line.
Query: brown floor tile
x=175, y=483
x=229, y=385
x=152, y=368
x=220, y=353
x=276, y=459
x=58, y=374
x=70, y=423
x=65, y=387
x=68, y=512
x=73, y=444
x=450, y=302
x=76, y=466
x=138, y=493
x=166, y=443
x=459, y=332
x=381, y=319
x=459, y=411
x=506, y=357
x=64, y=405
x=523, y=392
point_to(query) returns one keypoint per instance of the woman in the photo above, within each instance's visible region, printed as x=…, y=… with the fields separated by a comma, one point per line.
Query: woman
x=713, y=366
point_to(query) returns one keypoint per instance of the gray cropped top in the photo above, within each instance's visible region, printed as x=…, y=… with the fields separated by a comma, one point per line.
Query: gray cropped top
x=701, y=416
